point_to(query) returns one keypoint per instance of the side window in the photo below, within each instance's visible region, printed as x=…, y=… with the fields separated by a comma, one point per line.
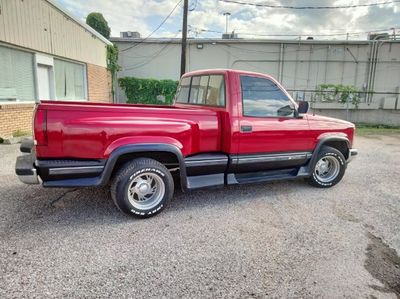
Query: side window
x=262, y=97
x=216, y=91
x=182, y=94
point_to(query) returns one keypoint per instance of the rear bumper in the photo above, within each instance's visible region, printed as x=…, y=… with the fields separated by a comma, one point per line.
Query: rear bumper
x=352, y=153
x=57, y=173
x=25, y=164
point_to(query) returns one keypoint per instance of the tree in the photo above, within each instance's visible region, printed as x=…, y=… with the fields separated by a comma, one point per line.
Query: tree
x=98, y=23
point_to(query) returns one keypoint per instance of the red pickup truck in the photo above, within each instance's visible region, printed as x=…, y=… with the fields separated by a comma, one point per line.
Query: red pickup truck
x=225, y=127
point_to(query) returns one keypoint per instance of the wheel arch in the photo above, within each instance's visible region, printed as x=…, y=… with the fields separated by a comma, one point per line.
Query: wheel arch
x=339, y=142
x=157, y=151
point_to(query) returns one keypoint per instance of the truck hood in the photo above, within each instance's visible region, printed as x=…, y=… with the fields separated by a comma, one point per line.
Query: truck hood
x=318, y=121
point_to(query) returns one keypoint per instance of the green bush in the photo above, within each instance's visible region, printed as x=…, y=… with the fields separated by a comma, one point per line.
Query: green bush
x=145, y=91
x=20, y=133
x=338, y=93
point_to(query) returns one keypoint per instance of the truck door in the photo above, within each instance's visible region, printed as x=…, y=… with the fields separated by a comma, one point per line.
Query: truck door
x=271, y=135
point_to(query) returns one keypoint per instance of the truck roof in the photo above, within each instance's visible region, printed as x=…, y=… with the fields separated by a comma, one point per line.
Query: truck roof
x=223, y=71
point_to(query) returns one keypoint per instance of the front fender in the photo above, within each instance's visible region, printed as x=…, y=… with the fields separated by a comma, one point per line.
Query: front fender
x=323, y=139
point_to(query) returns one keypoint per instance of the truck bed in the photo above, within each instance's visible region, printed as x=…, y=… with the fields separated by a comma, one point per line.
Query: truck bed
x=85, y=130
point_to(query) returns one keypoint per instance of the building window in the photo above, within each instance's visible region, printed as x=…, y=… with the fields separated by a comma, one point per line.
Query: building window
x=263, y=98
x=70, y=80
x=17, y=81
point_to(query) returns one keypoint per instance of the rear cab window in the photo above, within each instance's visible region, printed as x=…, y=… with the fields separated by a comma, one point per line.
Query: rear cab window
x=205, y=90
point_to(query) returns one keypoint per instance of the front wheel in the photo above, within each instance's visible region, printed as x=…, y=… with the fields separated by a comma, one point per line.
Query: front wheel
x=142, y=188
x=328, y=169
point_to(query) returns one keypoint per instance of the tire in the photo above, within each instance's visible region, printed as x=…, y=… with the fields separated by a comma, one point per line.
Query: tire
x=328, y=169
x=142, y=188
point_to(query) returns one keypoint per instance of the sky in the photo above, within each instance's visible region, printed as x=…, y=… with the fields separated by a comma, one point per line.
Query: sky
x=247, y=21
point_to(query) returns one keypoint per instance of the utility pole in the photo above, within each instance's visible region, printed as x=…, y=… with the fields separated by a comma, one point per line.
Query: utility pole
x=184, y=36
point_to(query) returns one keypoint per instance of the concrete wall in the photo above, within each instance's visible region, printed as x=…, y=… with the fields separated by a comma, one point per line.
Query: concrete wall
x=369, y=116
x=299, y=65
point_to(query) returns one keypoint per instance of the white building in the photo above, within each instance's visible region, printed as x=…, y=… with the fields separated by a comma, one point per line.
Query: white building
x=299, y=65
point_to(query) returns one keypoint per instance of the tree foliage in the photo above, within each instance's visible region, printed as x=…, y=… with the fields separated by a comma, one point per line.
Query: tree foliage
x=148, y=91
x=112, y=64
x=112, y=58
x=98, y=23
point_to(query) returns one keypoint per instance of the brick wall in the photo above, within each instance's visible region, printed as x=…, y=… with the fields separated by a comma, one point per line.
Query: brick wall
x=99, y=84
x=14, y=117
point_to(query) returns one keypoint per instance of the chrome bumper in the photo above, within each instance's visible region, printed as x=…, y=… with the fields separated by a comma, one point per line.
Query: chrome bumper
x=352, y=153
x=25, y=164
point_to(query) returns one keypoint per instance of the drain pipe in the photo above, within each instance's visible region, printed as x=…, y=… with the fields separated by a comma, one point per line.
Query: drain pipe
x=379, y=44
x=373, y=72
x=371, y=59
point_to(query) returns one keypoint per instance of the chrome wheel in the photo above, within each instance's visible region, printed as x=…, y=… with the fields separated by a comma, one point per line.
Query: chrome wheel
x=146, y=191
x=327, y=169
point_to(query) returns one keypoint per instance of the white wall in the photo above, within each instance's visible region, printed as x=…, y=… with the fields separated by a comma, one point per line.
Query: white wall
x=300, y=65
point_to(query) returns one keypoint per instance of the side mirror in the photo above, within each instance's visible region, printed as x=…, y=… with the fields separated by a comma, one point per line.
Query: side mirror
x=303, y=107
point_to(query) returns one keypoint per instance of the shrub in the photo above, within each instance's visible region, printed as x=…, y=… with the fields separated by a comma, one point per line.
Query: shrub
x=146, y=91
x=20, y=133
x=338, y=93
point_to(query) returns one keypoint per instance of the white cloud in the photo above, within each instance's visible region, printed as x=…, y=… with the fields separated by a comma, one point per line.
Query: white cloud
x=123, y=15
x=144, y=16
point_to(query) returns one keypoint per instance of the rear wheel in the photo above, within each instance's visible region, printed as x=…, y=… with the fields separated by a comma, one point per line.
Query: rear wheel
x=328, y=169
x=142, y=188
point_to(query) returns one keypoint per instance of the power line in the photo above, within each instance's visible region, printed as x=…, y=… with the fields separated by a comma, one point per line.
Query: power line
x=322, y=34
x=151, y=57
x=299, y=34
x=309, y=7
x=158, y=27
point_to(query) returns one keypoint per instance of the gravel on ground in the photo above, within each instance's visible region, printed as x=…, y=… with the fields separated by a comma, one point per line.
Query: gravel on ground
x=282, y=239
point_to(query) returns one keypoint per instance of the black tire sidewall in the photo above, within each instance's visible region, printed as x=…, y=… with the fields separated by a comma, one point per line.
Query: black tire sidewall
x=329, y=152
x=123, y=181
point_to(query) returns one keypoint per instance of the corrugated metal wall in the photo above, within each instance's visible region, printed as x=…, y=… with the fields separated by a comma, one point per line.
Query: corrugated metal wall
x=38, y=25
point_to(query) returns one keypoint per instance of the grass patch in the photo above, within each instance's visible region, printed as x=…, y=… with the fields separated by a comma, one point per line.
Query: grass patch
x=20, y=133
x=366, y=129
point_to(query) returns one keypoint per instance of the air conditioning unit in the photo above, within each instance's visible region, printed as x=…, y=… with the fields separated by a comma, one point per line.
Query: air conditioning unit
x=130, y=34
x=229, y=35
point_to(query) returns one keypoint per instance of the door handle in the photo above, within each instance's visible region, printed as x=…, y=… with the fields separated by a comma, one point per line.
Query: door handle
x=246, y=129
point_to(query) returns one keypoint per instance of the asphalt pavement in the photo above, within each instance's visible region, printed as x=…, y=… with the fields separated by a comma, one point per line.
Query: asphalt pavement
x=282, y=239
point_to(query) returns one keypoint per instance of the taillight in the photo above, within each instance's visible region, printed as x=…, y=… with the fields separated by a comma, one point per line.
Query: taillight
x=40, y=127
